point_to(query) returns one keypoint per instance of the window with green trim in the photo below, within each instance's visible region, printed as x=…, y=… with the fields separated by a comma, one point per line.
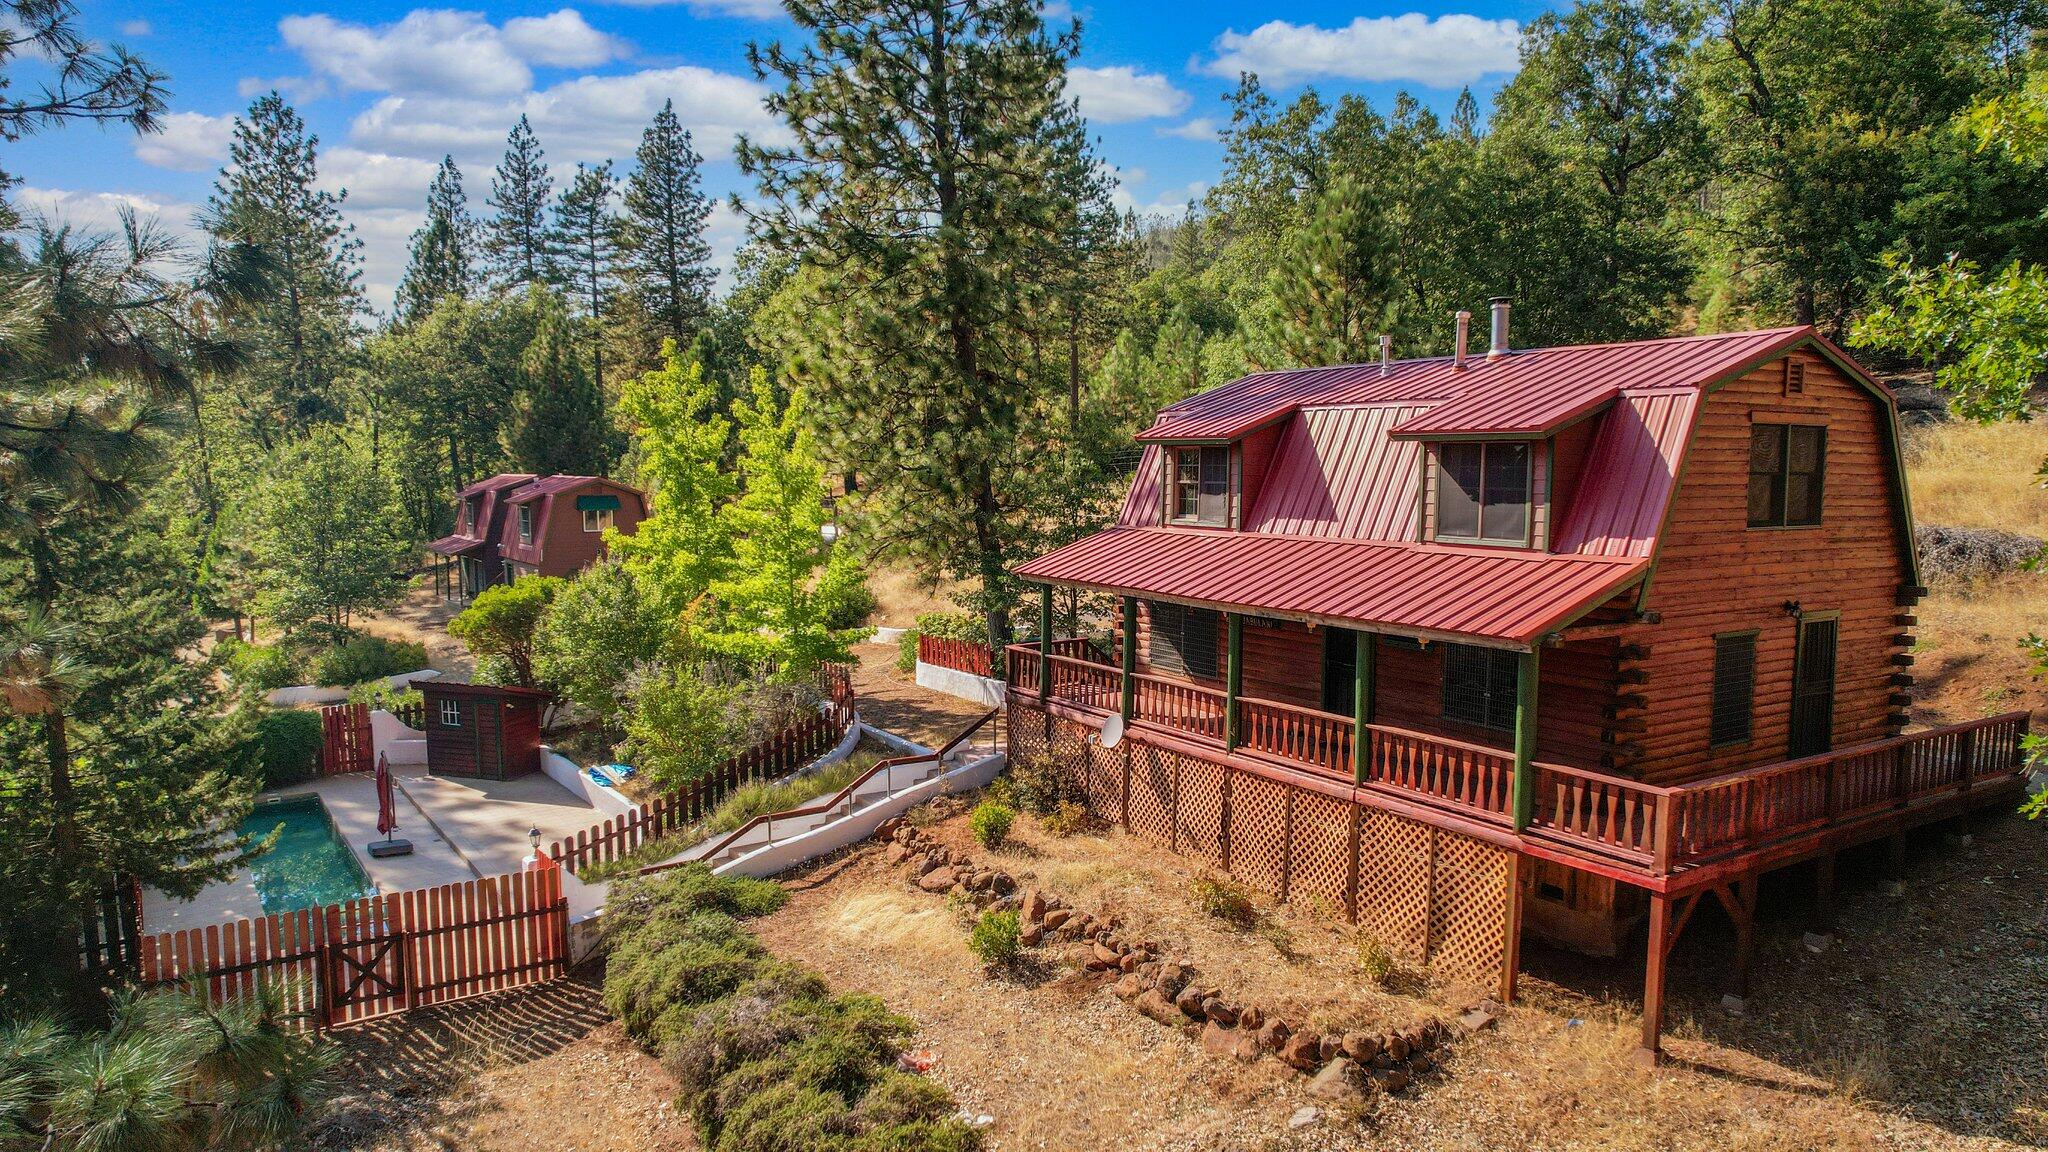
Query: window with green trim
x=1734, y=688
x=1787, y=463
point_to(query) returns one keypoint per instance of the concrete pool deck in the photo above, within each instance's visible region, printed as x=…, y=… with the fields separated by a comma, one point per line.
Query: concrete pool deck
x=460, y=830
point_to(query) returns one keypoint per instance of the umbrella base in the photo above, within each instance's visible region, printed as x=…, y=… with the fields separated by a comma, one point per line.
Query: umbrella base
x=383, y=848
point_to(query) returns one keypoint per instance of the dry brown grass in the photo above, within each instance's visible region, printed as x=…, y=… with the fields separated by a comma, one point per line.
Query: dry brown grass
x=1979, y=476
x=901, y=594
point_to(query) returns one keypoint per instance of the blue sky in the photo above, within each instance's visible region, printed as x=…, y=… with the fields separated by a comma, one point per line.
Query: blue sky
x=389, y=87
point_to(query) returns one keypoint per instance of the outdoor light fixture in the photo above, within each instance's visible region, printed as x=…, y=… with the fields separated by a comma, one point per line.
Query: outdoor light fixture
x=533, y=838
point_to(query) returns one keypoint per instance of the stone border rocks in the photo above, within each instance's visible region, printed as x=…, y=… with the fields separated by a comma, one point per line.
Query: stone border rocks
x=1342, y=1066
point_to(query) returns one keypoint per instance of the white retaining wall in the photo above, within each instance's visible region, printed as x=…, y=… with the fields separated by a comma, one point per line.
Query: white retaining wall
x=607, y=800
x=299, y=694
x=402, y=746
x=786, y=854
x=981, y=689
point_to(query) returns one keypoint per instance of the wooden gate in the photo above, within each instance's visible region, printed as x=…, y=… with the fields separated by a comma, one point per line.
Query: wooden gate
x=345, y=963
x=345, y=739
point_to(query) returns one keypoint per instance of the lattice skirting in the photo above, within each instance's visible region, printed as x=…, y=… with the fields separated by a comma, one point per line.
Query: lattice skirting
x=1431, y=895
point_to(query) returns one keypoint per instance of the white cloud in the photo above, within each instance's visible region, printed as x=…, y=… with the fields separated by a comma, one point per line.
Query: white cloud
x=1171, y=202
x=386, y=234
x=101, y=211
x=589, y=118
x=562, y=40
x=444, y=52
x=1441, y=52
x=301, y=89
x=189, y=142
x=1200, y=128
x=1120, y=93
x=377, y=179
x=137, y=28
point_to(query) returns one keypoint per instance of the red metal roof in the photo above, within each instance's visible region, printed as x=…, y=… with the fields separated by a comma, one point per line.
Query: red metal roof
x=1526, y=392
x=1142, y=505
x=494, y=483
x=548, y=485
x=1628, y=475
x=455, y=545
x=1510, y=597
x=1337, y=475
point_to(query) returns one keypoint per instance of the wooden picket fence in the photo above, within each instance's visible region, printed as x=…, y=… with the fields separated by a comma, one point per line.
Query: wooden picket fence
x=345, y=744
x=779, y=755
x=413, y=715
x=345, y=963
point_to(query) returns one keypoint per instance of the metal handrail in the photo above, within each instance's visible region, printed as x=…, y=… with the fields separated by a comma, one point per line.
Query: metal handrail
x=843, y=797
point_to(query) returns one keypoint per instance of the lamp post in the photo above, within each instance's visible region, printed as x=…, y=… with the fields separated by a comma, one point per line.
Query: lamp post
x=533, y=839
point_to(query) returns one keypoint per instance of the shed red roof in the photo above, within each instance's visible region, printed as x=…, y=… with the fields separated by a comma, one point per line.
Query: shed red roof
x=1508, y=596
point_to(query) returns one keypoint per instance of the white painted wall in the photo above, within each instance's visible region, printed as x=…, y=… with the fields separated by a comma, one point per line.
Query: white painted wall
x=966, y=685
x=300, y=694
x=831, y=837
x=402, y=746
x=608, y=801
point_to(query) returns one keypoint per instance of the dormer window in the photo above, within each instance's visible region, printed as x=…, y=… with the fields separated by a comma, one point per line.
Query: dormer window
x=1198, y=485
x=526, y=523
x=1482, y=492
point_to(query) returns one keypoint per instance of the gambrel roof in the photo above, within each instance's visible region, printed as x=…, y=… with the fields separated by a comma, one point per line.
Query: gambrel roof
x=1332, y=532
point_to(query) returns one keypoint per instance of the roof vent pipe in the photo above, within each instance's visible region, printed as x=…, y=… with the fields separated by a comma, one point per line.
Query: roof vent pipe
x=1386, y=355
x=1464, y=329
x=1500, y=328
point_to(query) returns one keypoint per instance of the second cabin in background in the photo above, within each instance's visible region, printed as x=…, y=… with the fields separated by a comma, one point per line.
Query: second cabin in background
x=515, y=524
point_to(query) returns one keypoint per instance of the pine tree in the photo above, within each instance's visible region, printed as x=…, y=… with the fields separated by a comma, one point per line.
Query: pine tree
x=517, y=241
x=298, y=328
x=662, y=245
x=443, y=249
x=1328, y=297
x=562, y=426
x=921, y=187
x=584, y=244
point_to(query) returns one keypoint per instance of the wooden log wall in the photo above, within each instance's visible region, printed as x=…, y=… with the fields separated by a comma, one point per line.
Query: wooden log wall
x=1715, y=574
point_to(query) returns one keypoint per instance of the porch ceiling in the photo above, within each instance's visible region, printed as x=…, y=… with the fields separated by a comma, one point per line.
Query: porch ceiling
x=1502, y=597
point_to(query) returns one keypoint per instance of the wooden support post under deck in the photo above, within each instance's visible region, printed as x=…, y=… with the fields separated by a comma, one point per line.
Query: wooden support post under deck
x=1128, y=656
x=1045, y=641
x=1233, y=678
x=1361, y=705
x=1523, y=800
x=1651, y=1050
x=1822, y=923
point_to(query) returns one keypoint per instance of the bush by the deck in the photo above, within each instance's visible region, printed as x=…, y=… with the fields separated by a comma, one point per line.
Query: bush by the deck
x=769, y=1059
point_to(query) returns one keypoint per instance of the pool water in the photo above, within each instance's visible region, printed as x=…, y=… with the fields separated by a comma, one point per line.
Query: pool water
x=309, y=865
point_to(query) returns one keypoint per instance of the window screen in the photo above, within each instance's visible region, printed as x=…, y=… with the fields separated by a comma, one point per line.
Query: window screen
x=1479, y=685
x=1787, y=463
x=1200, y=491
x=1734, y=688
x=1482, y=492
x=1183, y=639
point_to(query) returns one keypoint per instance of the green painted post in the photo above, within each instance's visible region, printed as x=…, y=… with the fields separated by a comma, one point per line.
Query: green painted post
x=1233, y=680
x=1362, y=704
x=1524, y=796
x=1129, y=656
x=1045, y=641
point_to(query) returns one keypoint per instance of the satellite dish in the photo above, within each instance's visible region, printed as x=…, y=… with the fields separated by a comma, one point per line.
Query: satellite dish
x=1112, y=731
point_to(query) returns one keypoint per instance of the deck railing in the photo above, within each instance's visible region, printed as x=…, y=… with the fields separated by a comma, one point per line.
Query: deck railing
x=1178, y=705
x=1657, y=828
x=959, y=655
x=1321, y=740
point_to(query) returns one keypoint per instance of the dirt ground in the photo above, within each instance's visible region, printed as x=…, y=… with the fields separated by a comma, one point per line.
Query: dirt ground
x=1923, y=1027
x=540, y=1068
x=423, y=616
x=892, y=701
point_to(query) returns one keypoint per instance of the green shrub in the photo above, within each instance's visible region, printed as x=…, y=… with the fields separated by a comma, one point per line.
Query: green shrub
x=991, y=822
x=906, y=651
x=1040, y=786
x=851, y=607
x=996, y=939
x=766, y=1057
x=1375, y=960
x=1226, y=900
x=261, y=667
x=1066, y=819
x=380, y=694
x=288, y=744
x=361, y=658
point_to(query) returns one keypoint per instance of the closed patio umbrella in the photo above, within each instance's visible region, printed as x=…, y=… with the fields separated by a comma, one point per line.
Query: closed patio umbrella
x=387, y=814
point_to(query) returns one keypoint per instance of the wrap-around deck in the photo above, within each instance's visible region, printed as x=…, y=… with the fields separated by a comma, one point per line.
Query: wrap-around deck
x=1666, y=838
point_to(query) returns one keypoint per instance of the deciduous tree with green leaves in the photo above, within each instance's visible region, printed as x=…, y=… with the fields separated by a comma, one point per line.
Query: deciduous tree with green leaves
x=501, y=623
x=328, y=534
x=682, y=546
x=595, y=633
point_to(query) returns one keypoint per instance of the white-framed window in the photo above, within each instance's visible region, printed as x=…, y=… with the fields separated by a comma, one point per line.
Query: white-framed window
x=526, y=523
x=596, y=519
x=451, y=713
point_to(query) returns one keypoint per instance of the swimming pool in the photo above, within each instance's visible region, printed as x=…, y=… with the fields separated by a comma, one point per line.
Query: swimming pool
x=309, y=865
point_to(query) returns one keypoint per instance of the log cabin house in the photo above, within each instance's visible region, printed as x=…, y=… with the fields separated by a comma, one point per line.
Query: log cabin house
x=515, y=524
x=1567, y=641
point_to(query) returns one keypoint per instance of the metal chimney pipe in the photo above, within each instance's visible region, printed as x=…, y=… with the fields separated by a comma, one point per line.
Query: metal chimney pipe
x=1500, y=327
x=1464, y=329
x=1386, y=355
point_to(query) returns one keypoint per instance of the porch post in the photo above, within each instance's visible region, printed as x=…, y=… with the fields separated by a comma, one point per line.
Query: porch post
x=1129, y=656
x=1651, y=1049
x=1233, y=679
x=1045, y=641
x=1362, y=704
x=1524, y=798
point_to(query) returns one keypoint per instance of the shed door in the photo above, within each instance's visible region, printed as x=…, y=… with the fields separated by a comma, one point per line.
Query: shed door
x=1813, y=689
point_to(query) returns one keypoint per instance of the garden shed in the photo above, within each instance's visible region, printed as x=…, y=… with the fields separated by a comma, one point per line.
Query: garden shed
x=484, y=730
